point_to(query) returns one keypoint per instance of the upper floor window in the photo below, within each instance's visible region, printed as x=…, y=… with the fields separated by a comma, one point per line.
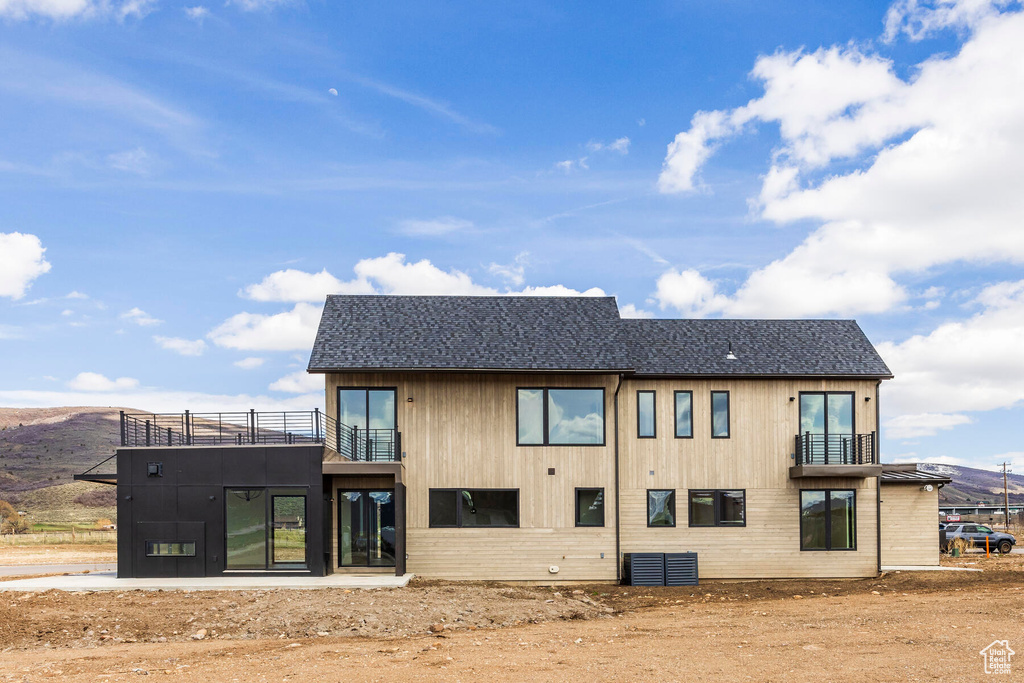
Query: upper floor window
x=367, y=408
x=684, y=414
x=719, y=414
x=560, y=417
x=645, y=419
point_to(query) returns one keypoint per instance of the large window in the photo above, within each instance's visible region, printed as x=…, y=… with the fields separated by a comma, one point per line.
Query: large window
x=826, y=421
x=828, y=520
x=589, y=507
x=684, y=414
x=718, y=508
x=265, y=528
x=474, y=507
x=560, y=417
x=646, y=423
x=719, y=414
x=661, y=507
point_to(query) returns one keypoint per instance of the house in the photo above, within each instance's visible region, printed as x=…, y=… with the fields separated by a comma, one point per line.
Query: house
x=530, y=439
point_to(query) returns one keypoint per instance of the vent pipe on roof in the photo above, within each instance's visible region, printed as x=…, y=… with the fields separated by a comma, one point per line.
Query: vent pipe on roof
x=730, y=355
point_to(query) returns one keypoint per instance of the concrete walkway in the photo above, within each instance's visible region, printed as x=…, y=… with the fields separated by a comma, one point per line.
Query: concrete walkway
x=34, y=569
x=928, y=568
x=108, y=581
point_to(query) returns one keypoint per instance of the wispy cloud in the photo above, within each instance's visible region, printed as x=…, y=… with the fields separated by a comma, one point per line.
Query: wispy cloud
x=432, y=106
x=140, y=317
x=434, y=227
x=184, y=347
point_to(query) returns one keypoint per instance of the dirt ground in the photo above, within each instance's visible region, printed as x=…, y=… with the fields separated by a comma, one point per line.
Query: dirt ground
x=14, y=555
x=903, y=626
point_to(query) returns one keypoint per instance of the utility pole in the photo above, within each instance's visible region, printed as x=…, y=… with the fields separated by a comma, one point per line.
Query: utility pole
x=1006, y=501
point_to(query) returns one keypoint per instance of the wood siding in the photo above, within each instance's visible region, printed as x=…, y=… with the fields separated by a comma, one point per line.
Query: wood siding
x=459, y=430
x=910, y=525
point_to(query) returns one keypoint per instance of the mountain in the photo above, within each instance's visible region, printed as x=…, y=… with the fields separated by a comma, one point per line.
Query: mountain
x=40, y=451
x=971, y=485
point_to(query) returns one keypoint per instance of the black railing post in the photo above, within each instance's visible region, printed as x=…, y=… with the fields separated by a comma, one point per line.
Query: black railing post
x=188, y=430
x=398, y=446
x=252, y=426
x=874, y=449
x=124, y=433
x=355, y=443
x=316, y=424
x=147, y=432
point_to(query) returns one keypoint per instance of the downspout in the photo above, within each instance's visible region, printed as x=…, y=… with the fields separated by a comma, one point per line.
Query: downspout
x=878, y=479
x=618, y=540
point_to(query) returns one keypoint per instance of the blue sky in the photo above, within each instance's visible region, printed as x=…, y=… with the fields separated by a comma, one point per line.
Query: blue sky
x=182, y=183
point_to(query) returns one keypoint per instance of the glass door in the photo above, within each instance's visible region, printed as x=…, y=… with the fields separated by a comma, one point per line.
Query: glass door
x=828, y=418
x=265, y=528
x=366, y=528
x=372, y=414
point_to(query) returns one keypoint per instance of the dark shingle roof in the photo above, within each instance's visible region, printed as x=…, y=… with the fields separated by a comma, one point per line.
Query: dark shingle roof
x=761, y=347
x=469, y=333
x=575, y=334
x=909, y=474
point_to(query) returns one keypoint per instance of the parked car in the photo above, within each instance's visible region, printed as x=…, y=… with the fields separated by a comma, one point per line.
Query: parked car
x=978, y=533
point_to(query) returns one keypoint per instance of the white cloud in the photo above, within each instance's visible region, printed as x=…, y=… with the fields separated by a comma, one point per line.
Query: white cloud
x=300, y=382
x=391, y=274
x=66, y=312
x=942, y=184
x=514, y=273
x=76, y=295
x=184, y=347
x=333, y=91
x=621, y=145
x=131, y=161
x=161, y=400
x=631, y=311
x=968, y=365
x=258, y=5
x=250, y=363
x=569, y=165
x=296, y=285
x=93, y=381
x=287, y=331
x=69, y=9
x=21, y=262
x=197, y=13
x=445, y=225
x=688, y=292
x=140, y=317
x=923, y=424
x=917, y=19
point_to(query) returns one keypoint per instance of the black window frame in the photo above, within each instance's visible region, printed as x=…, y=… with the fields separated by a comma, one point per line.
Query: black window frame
x=717, y=496
x=576, y=498
x=654, y=414
x=826, y=394
x=339, y=389
x=828, y=521
x=675, y=516
x=458, y=508
x=270, y=492
x=545, y=428
x=151, y=543
x=728, y=414
x=675, y=413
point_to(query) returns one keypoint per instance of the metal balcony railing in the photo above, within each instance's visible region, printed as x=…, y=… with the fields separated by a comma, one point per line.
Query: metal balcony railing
x=259, y=428
x=836, y=449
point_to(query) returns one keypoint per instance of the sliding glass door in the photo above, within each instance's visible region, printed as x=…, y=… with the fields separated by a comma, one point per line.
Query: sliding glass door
x=265, y=528
x=828, y=418
x=366, y=528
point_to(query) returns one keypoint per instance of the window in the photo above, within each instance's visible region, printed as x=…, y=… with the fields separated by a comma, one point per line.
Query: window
x=645, y=420
x=474, y=507
x=373, y=411
x=684, y=414
x=265, y=528
x=718, y=508
x=589, y=507
x=719, y=414
x=661, y=507
x=828, y=520
x=170, y=548
x=560, y=417
x=826, y=421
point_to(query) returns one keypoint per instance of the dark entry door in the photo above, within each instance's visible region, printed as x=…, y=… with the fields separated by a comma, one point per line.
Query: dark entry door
x=366, y=528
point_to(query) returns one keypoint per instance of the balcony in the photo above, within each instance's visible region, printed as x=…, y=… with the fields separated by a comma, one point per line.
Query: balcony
x=835, y=455
x=254, y=428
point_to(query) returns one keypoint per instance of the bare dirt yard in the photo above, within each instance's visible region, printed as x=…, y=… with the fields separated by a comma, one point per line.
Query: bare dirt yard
x=902, y=626
x=63, y=553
